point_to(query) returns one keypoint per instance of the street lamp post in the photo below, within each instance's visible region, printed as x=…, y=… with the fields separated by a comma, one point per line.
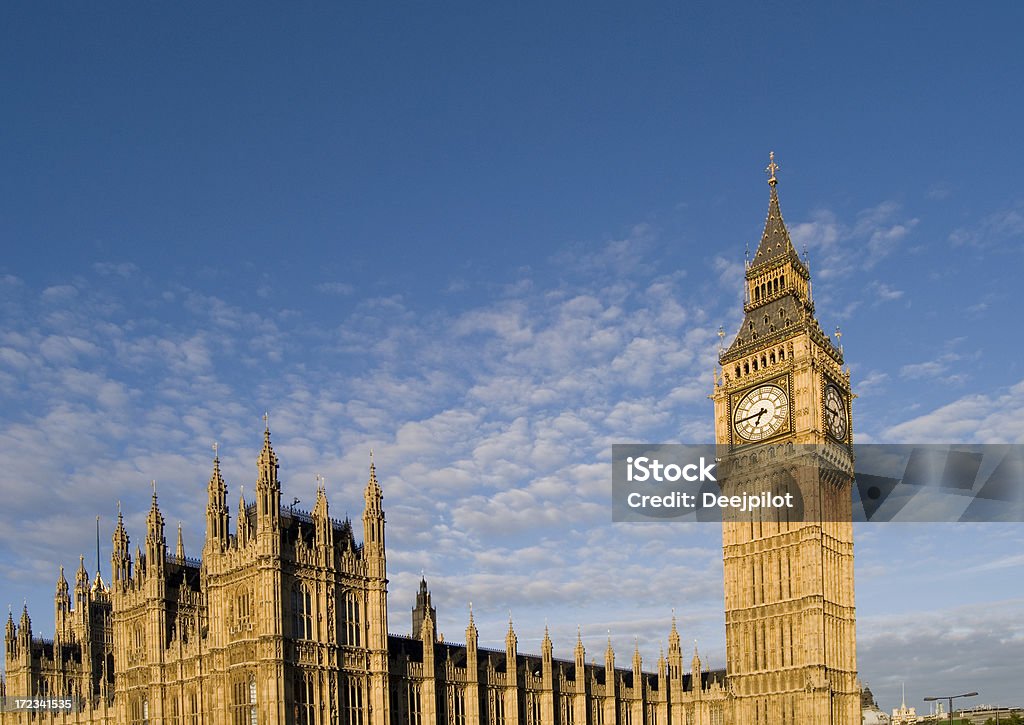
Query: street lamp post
x=950, y=698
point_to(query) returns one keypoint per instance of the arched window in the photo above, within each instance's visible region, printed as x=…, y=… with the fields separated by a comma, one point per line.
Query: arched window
x=352, y=622
x=302, y=612
x=305, y=708
x=737, y=371
x=242, y=609
x=136, y=710
x=243, y=700
x=139, y=636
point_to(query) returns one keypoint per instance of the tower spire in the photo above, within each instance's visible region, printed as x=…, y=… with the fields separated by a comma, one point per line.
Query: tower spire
x=156, y=544
x=216, y=504
x=772, y=168
x=120, y=559
x=775, y=242
x=268, y=488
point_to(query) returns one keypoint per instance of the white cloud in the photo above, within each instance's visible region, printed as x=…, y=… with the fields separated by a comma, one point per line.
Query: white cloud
x=842, y=248
x=976, y=418
x=342, y=289
x=998, y=228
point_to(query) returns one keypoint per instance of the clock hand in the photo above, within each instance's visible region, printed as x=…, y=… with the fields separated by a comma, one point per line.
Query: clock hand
x=757, y=415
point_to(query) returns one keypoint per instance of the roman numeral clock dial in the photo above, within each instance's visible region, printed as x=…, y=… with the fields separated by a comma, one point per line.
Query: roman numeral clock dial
x=761, y=413
x=835, y=413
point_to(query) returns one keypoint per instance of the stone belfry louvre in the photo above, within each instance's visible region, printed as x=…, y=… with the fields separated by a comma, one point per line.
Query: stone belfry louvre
x=784, y=397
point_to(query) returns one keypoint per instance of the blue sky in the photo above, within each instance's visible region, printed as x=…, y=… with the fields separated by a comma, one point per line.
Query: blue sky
x=488, y=242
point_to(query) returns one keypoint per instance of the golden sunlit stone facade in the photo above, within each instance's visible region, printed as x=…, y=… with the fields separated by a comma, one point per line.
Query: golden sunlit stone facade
x=782, y=417
x=284, y=617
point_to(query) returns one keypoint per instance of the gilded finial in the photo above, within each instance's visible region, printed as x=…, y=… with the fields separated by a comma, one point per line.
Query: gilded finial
x=216, y=451
x=266, y=421
x=838, y=334
x=153, y=483
x=772, y=168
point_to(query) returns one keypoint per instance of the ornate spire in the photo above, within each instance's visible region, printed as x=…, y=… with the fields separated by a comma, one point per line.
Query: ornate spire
x=471, y=633
x=545, y=644
x=62, y=585
x=119, y=557
x=510, y=636
x=216, y=479
x=579, y=652
x=179, y=550
x=25, y=625
x=673, y=635
x=373, y=520
x=81, y=576
x=775, y=241
x=217, y=503
x=156, y=544
x=155, y=519
x=372, y=494
x=637, y=661
x=267, y=461
x=772, y=168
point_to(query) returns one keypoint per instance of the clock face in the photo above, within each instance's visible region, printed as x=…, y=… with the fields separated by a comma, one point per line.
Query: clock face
x=761, y=413
x=835, y=412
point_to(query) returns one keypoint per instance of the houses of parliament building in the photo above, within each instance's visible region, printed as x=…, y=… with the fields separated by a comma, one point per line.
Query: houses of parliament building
x=284, y=617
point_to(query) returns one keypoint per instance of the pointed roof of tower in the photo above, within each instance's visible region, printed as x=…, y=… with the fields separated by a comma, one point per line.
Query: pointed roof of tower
x=579, y=651
x=155, y=519
x=775, y=242
x=510, y=636
x=62, y=582
x=673, y=635
x=179, y=551
x=216, y=479
x=372, y=493
x=81, y=576
x=267, y=452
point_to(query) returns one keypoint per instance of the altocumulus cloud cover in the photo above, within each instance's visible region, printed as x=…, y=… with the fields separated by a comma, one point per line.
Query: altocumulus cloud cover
x=488, y=245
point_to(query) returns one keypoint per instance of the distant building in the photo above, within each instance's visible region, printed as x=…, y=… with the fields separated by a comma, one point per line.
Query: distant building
x=904, y=715
x=983, y=713
x=871, y=714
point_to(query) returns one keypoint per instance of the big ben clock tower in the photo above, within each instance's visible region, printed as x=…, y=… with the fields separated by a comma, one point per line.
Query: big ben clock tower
x=782, y=420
